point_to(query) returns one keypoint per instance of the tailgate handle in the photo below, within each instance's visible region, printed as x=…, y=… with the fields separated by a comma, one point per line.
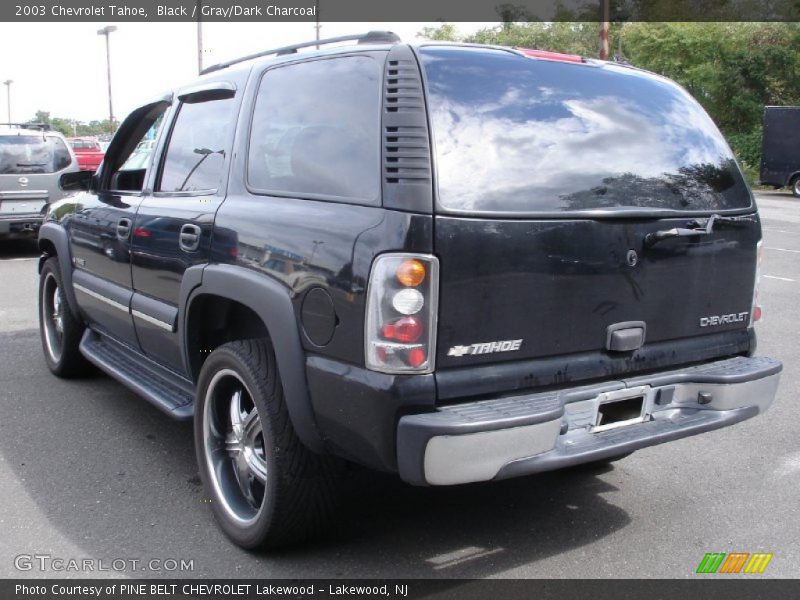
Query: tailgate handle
x=693, y=227
x=626, y=336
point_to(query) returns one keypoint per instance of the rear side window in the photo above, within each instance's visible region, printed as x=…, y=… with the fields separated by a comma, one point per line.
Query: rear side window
x=316, y=130
x=29, y=154
x=519, y=135
x=195, y=156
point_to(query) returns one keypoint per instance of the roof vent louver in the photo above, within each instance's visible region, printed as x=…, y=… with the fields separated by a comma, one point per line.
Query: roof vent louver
x=407, y=182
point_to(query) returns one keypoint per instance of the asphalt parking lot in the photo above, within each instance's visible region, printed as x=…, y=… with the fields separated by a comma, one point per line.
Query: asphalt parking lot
x=88, y=470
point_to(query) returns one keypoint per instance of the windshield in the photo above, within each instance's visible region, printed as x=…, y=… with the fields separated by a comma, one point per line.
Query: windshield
x=30, y=154
x=520, y=135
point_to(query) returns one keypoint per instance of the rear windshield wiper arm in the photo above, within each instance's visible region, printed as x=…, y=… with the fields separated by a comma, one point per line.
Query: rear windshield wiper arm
x=694, y=227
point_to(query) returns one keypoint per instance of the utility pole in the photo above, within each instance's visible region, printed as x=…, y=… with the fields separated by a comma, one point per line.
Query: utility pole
x=199, y=37
x=8, y=83
x=604, y=26
x=106, y=31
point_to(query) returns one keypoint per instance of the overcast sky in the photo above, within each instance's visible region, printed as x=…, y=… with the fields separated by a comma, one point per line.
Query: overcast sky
x=61, y=67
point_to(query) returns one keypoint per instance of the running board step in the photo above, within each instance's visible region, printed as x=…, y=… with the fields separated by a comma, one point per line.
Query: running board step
x=166, y=390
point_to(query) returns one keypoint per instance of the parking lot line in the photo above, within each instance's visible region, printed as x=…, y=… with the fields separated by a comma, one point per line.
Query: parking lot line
x=778, y=278
x=780, y=230
x=783, y=249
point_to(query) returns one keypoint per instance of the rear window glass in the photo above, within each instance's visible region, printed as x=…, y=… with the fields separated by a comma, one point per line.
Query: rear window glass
x=27, y=154
x=85, y=145
x=519, y=135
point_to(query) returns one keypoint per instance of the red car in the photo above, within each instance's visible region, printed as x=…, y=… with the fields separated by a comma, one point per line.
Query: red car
x=88, y=152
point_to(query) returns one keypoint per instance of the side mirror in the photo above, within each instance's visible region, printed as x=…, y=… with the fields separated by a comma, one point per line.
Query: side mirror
x=76, y=181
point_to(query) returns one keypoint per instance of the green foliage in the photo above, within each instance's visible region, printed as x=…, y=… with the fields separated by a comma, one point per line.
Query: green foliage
x=571, y=37
x=747, y=147
x=72, y=127
x=446, y=32
x=732, y=69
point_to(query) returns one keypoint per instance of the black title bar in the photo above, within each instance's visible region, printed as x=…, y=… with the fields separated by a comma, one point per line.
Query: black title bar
x=397, y=10
x=708, y=588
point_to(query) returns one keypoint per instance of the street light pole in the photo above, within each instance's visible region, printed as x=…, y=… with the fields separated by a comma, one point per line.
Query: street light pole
x=106, y=31
x=199, y=37
x=8, y=83
x=316, y=20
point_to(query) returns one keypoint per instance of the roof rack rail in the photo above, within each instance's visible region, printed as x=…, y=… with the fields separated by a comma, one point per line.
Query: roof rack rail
x=39, y=126
x=371, y=37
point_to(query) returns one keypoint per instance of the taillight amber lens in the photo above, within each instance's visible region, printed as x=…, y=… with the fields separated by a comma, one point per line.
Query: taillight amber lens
x=411, y=272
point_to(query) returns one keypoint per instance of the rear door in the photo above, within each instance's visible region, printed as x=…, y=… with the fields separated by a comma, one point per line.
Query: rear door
x=174, y=223
x=551, y=176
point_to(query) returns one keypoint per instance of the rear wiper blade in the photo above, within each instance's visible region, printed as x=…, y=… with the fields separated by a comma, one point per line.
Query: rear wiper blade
x=694, y=227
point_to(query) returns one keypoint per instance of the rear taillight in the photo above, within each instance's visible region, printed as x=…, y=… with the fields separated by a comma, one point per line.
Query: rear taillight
x=402, y=299
x=755, y=311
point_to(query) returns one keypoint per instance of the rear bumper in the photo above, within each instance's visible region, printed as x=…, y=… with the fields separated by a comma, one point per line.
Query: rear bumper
x=16, y=224
x=513, y=436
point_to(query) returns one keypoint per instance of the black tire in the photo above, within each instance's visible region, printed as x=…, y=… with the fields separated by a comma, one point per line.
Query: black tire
x=295, y=498
x=59, y=330
x=795, y=186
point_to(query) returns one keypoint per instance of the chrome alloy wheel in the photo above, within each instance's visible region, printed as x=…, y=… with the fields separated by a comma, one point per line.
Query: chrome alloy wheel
x=235, y=453
x=52, y=317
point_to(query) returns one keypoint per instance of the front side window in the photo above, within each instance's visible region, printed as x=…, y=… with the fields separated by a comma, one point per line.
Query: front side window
x=30, y=153
x=316, y=128
x=126, y=163
x=140, y=157
x=195, y=156
x=514, y=134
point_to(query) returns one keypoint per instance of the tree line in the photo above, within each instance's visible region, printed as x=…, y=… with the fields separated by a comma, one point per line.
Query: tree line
x=73, y=127
x=732, y=69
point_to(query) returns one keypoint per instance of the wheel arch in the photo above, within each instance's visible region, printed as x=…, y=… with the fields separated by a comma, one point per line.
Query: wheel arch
x=270, y=302
x=54, y=242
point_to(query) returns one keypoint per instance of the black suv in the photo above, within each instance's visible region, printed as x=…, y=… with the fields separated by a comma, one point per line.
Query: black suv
x=458, y=263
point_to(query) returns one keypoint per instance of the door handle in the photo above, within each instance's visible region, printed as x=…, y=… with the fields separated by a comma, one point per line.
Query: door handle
x=190, y=237
x=123, y=228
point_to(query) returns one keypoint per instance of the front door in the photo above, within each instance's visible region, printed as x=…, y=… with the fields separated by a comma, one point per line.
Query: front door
x=100, y=231
x=173, y=226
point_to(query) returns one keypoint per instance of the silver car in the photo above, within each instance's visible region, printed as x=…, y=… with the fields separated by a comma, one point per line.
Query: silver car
x=32, y=159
